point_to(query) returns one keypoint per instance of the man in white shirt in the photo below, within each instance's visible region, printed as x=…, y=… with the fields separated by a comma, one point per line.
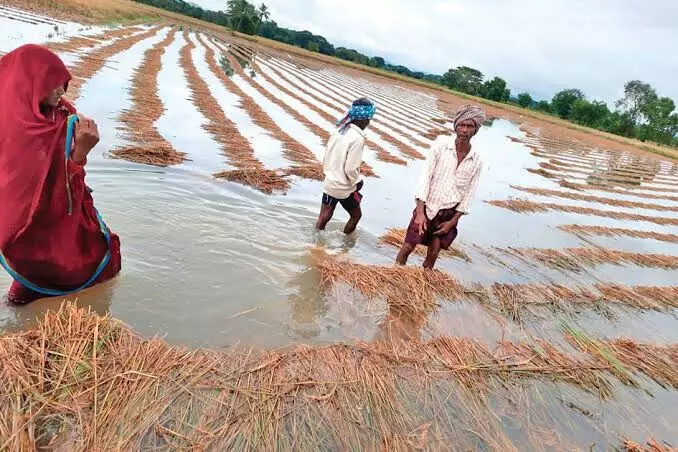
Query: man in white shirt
x=446, y=189
x=343, y=156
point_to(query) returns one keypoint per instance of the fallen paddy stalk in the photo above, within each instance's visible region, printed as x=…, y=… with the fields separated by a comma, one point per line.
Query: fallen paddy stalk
x=651, y=446
x=396, y=238
x=292, y=149
x=309, y=169
x=402, y=147
x=79, y=43
x=80, y=382
x=574, y=259
x=586, y=156
x=628, y=357
x=318, y=131
x=596, y=199
x=400, y=108
x=607, y=174
x=614, y=168
x=139, y=120
x=324, y=134
x=525, y=206
x=636, y=193
x=415, y=290
x=589, y=231
x=344, y=85
x=85, y=69
x=249, y=170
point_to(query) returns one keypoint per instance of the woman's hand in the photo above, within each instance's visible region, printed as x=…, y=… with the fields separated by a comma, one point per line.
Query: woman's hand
x=86, y=137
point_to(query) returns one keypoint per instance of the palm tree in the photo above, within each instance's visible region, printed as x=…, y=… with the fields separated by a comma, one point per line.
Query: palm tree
x=237, y=10
x=264, y=14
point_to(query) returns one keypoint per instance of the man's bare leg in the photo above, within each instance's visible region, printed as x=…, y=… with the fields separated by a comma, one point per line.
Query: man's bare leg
x=433, y=252
x=352, y=224
x=404, y=253
x=326, y=213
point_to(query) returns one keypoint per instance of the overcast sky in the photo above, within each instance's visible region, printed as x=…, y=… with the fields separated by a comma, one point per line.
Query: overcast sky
x=539, y=46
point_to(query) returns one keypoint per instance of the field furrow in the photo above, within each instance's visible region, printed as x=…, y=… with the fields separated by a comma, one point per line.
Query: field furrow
x=149, y=146
x=293, y=150
x=249, y=170
x=525, y=206
x=592, y=231
x=96, y=60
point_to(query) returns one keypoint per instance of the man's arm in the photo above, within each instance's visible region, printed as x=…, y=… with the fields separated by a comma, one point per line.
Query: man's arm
x=354, y=157
x=424, y=188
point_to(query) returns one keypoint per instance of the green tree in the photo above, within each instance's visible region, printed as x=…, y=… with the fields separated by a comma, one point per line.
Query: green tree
x=637, y=95
x=313, y=46
x=525, y=100
x=543, y=105
x=377, y=62
x=562, y=102
x=620, y=124
x=590, y=114
x=243, y=16
x=662, y=122
x=496, y=90
x=264, y=15
x=464, y=79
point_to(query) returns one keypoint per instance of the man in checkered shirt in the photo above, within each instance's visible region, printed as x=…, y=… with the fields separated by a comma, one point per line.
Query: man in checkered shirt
x=446, y=189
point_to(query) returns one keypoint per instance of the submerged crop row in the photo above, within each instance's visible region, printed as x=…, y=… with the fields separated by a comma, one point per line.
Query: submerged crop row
x=149, y=146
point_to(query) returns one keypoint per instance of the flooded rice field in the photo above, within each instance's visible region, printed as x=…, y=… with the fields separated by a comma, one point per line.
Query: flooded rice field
x=208, y=168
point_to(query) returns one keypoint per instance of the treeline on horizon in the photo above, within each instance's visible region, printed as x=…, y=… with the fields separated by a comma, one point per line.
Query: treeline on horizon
x=641, y=113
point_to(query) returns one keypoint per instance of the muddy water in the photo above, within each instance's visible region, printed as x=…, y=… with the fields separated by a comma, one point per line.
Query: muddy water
x=213, y=263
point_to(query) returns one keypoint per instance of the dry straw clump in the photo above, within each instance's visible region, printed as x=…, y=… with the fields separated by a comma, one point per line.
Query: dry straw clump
x=265, y=180
x=94, y=61
x=414, y=290
x=589, y=231
x=311, y=171
x=149, y=146
x=396, y=237
x=80, y=382
x=525, y=206
x=410, y=289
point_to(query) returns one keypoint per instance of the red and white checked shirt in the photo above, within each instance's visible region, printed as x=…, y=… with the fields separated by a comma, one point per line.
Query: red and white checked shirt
x=444, y=183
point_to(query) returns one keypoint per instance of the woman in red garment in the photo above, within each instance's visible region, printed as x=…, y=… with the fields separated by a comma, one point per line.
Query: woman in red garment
x=49, y=231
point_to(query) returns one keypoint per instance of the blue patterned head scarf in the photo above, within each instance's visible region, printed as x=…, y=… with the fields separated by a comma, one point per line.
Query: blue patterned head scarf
x=360, y=110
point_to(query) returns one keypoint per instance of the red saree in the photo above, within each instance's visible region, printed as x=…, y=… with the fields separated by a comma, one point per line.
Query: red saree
x=38, y=237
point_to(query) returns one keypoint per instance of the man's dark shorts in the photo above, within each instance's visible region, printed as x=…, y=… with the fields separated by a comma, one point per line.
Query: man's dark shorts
x=414, y=238
x=349, y=204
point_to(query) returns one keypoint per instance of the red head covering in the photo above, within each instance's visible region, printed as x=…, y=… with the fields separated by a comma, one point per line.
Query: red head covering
x=31, y=141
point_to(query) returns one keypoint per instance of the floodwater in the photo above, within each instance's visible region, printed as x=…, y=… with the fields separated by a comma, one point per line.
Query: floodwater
x=212, y=263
